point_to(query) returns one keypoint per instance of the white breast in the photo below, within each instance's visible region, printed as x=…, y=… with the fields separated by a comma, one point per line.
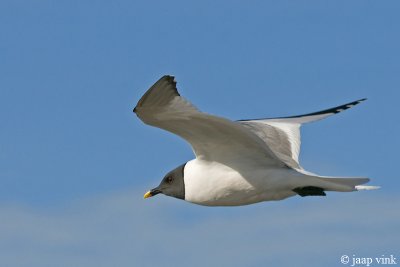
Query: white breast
x=215, y=184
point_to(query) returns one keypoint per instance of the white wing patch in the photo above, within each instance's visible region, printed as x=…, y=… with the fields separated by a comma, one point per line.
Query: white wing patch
x=283, y=139
x=274, y=141
x=282, y=135
x=292, y=130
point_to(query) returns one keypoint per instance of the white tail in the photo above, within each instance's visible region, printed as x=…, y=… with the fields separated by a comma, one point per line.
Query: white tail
x=340, y=184
x=366, y=187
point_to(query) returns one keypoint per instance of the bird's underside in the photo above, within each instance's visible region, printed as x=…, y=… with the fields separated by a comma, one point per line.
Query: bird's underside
x=271, y=143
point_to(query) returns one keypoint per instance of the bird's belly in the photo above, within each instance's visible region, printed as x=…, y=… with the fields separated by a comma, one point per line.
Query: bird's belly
x=214, y=184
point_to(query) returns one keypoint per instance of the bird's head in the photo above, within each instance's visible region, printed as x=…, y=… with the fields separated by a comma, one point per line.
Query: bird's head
x=172, y=184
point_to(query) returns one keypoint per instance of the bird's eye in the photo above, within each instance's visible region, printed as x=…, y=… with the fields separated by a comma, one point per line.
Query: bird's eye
x=169, y=179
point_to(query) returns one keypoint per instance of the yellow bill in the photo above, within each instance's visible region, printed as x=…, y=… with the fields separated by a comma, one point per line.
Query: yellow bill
x=147, y=195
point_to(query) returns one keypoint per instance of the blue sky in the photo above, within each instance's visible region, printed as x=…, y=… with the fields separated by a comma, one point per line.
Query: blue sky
x=75, y=161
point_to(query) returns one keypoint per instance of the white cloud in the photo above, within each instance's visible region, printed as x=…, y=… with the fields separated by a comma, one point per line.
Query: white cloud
x=122, y=229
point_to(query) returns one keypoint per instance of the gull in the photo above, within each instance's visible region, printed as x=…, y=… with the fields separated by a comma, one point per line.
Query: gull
x=236, y=162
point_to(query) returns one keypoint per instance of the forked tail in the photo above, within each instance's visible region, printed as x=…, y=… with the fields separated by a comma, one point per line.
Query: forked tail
x=344, y=184
x=314, y=185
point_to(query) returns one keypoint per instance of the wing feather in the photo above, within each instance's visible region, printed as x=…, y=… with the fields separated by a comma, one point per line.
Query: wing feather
x=212, y=138
x=282, y=134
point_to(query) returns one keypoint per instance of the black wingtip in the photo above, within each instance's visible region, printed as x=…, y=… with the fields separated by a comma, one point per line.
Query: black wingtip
x=169, y=78
x=361, y=100
x=348, y=105
x=172, y=77
x=334, y=110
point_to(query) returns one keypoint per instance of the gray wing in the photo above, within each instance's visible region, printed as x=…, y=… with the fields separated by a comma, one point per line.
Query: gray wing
x=282, y=138
x=212, y=138
x=282, y=135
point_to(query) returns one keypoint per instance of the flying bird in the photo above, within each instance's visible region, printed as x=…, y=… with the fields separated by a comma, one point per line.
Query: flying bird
x=236, y=162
